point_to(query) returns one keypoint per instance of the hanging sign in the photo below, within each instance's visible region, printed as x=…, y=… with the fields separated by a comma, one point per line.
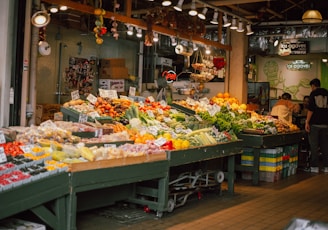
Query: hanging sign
x=292, y=48
x=298, y=65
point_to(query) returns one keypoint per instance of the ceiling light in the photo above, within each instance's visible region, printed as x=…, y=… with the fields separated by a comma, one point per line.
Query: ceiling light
x=193, y=11
x=178, y=7
x=139, y=33
x=324, y=60
x=215, y=17
x=240, y=28
x=202, y=15
x=234, y=24
x=312, y=16
x=63, y=8
x=40, y=18
x=173, y=41
x=130, y=30
x=166, y=3
x=249, y=30
x=155, y=38
x=226, y=22
x=207, y=50
x=195, y=47
x=53, y=9
x=276, y=42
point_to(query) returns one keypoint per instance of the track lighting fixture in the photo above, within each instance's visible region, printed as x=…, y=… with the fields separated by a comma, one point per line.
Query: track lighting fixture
x=215, y=17
x=40, y=18
x=53, y=9
x=226, y=22
x=178, y=7
x=63, y=8
x=139, y=33
x=173, y=41
x=155, y=38
x=249, y=30
x=202, y=15
x=207, y=50
x=234, y=24
x=166, y=3
x=240, y=28
x=194, y=47
x=130, y=30
x=193, y=11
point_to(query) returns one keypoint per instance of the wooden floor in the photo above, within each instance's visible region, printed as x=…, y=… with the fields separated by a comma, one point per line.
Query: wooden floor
x=267, y=206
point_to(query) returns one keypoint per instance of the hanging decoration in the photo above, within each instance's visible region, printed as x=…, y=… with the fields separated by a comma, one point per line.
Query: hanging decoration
x=99, y=29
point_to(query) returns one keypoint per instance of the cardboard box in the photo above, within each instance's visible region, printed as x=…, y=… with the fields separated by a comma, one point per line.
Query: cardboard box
x=112, y=62
x=114, y=73
x=46, y=112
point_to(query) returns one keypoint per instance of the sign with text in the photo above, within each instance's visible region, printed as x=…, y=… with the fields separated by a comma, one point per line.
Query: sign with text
x=293, y=48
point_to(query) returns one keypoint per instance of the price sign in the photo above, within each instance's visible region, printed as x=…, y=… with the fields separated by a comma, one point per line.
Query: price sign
x=112, y=94
x=163, y=103
x=109, y=145
x=48, y=124
x=3, y=157
x=75, y=95
x=26, y=148
x=150, y=113
x=83, y=118
x=132, y=91
x=2, y=138
x=151, y=98
x=153, y=130
x=92, y=98
x=103, y=93
x=160, y=141
x=94, y=114
x=167, y=119
x=204, y=100
x=160, y=111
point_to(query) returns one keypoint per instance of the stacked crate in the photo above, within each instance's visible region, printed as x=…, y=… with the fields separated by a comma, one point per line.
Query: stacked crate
x=292, y=152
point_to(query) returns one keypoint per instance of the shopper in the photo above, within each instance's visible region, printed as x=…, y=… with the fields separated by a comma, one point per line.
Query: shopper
x=316, y=125
x=284, y=108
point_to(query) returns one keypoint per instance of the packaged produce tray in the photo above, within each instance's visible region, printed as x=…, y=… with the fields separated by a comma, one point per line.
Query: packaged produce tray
x=76, y=167
x=73, y=115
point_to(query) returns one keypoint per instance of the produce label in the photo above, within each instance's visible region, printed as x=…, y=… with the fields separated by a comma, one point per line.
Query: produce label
x=150, y=114
x=75, y=95
x=48, y=124
x=26, y=148
x=3, y=157
x=204, y=100
x=151, y=99
x=160, y=141
x=92, y=98
x=83, y=118
x=94, y=114
x=112, y=94
x=109, y=145
x=153, y=130
x=132, y=91
x=163, y=103
x=2, y=138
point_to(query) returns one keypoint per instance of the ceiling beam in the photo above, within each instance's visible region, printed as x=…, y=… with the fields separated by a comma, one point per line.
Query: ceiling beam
x=233, y=2
x=138, y=23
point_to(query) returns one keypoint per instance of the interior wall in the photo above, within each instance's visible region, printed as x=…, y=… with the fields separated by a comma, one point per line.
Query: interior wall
x=66, y=43
x=281, y=79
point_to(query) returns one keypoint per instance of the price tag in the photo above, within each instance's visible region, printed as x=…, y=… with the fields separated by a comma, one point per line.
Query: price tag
x=167, y=119
x=103, y=93
x=160, y=111
x=188, y=131
x=160, y=141
x=2, y=138
x=150, y=113
x=204, y=100
x=190, y=101
x=109, y=145
x=178, y=129
x=174, y=111
x=92, y=98
x=232, y=114
x=198, y=117
x=3, y=157
x=151, y=98
x=212, y=111
x=215, y=131
x=173, y=135
x=26, y=148
x=163, y=103
x=216, y=108
x=132, y=91
x=125, y=97
x=94, y=114
x=75, y=95
x=153, y=130
x=83, y=118
x=112, y=94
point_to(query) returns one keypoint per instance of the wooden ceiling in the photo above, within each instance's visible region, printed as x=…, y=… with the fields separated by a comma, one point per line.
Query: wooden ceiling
x=136, y=12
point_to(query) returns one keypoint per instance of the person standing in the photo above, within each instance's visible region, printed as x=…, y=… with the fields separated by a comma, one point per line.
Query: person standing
x=316, y=125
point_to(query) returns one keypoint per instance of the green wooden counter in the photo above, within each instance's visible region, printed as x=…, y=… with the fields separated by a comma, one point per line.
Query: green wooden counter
x=90, y=189
x=259, y=142
x=34, y=195
x=227, y=149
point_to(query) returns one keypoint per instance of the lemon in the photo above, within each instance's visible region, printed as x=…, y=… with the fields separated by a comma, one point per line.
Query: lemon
x=185, y=144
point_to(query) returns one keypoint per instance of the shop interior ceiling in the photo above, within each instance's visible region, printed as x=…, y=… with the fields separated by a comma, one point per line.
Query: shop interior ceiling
x=267, y=17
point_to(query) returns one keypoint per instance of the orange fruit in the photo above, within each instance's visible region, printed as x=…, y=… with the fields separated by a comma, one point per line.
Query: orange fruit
x=220, y=95
x=226, y=95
